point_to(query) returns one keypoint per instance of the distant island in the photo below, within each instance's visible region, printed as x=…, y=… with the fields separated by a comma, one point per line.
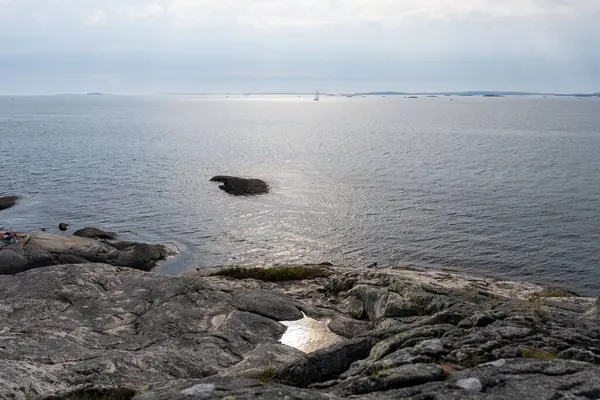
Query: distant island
x=482, y=93
x=477, y=93
x=83, y=94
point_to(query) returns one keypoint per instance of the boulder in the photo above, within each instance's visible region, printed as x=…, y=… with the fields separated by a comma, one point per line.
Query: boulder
x=95, y=233
x=8, y=202
x=241, y=186
x=12, y=260
x=325, y=364
x=139, y=255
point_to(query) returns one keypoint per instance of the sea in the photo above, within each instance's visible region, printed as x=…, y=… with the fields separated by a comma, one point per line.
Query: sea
x=505, y=187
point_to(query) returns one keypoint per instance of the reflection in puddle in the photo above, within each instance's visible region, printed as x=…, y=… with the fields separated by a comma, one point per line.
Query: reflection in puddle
x=308, y=335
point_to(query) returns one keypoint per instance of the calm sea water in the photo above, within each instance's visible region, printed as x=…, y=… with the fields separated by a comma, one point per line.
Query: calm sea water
x=506, y=187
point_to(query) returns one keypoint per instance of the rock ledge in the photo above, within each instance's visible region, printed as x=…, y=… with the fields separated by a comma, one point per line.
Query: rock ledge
x=94, y=330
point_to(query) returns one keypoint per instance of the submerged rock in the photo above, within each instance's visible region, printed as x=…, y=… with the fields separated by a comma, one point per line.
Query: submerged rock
x=241, y=186
x=95, y=233
x=8, y=202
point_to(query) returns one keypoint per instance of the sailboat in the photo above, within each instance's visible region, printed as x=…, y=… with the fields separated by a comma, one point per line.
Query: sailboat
x=317, y=96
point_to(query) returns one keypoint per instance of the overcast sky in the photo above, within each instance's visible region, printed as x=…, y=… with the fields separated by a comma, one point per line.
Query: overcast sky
x=137, y=46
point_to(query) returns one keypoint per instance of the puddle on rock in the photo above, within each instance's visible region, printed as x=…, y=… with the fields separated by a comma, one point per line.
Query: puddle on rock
x=218, y=320
x=308, y=335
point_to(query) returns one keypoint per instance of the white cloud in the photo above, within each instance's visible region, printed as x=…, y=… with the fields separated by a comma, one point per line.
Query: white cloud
x=97, y=17
x=423, y=40
x=348, y=12
x=277, y=13
x=134, y=12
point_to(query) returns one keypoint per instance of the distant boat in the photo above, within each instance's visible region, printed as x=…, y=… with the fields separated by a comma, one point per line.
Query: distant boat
x=317, y=96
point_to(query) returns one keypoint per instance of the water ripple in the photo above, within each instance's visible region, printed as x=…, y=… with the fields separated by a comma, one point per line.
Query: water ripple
x=508, y=188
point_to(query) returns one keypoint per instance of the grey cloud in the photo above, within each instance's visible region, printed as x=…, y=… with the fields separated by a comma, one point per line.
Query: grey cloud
x=139, y=47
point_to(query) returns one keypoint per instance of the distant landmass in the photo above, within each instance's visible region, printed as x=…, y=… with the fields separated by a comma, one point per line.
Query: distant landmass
x=82, y=94
x=476, y=93
x=482, y=93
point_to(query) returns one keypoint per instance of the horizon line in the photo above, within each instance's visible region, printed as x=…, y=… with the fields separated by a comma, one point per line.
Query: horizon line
x=366, y=93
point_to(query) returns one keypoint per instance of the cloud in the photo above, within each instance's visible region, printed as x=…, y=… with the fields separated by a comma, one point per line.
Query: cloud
x=97, y=17
x=307, y=13
x=285, y=13
x=541, y=43
x=136, y=12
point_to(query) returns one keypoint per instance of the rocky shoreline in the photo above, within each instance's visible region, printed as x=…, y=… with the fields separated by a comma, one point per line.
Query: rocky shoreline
x=88, y=245
x=70, y=330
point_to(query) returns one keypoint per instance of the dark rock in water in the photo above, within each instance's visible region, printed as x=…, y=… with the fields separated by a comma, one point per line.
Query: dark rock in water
x=63, y=226
x=139, y=255
x=95, y=233
x=8, y=202
x=42, y=249
x=241, y=186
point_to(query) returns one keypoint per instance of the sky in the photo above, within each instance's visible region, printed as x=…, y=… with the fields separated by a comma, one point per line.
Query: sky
x=216, y=46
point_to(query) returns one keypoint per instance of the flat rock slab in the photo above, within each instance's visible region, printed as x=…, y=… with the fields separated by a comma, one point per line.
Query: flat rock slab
x=43, y=249
x=107, y=330
x=72, y=326
x=8, y=202
x=519, y=379
x=223, y=388
x=270, y=304
x=241, y=186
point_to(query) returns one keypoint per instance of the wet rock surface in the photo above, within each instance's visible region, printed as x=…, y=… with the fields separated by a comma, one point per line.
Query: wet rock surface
x=68, y=329
x=8, y=201
x=43, y=249
x=241, y=186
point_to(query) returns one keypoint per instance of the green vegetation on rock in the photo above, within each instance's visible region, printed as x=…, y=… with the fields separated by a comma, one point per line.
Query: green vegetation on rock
x=96, y=394
x=275, y=274
x=538, y=354
x=267, y=375
x=553, y=293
